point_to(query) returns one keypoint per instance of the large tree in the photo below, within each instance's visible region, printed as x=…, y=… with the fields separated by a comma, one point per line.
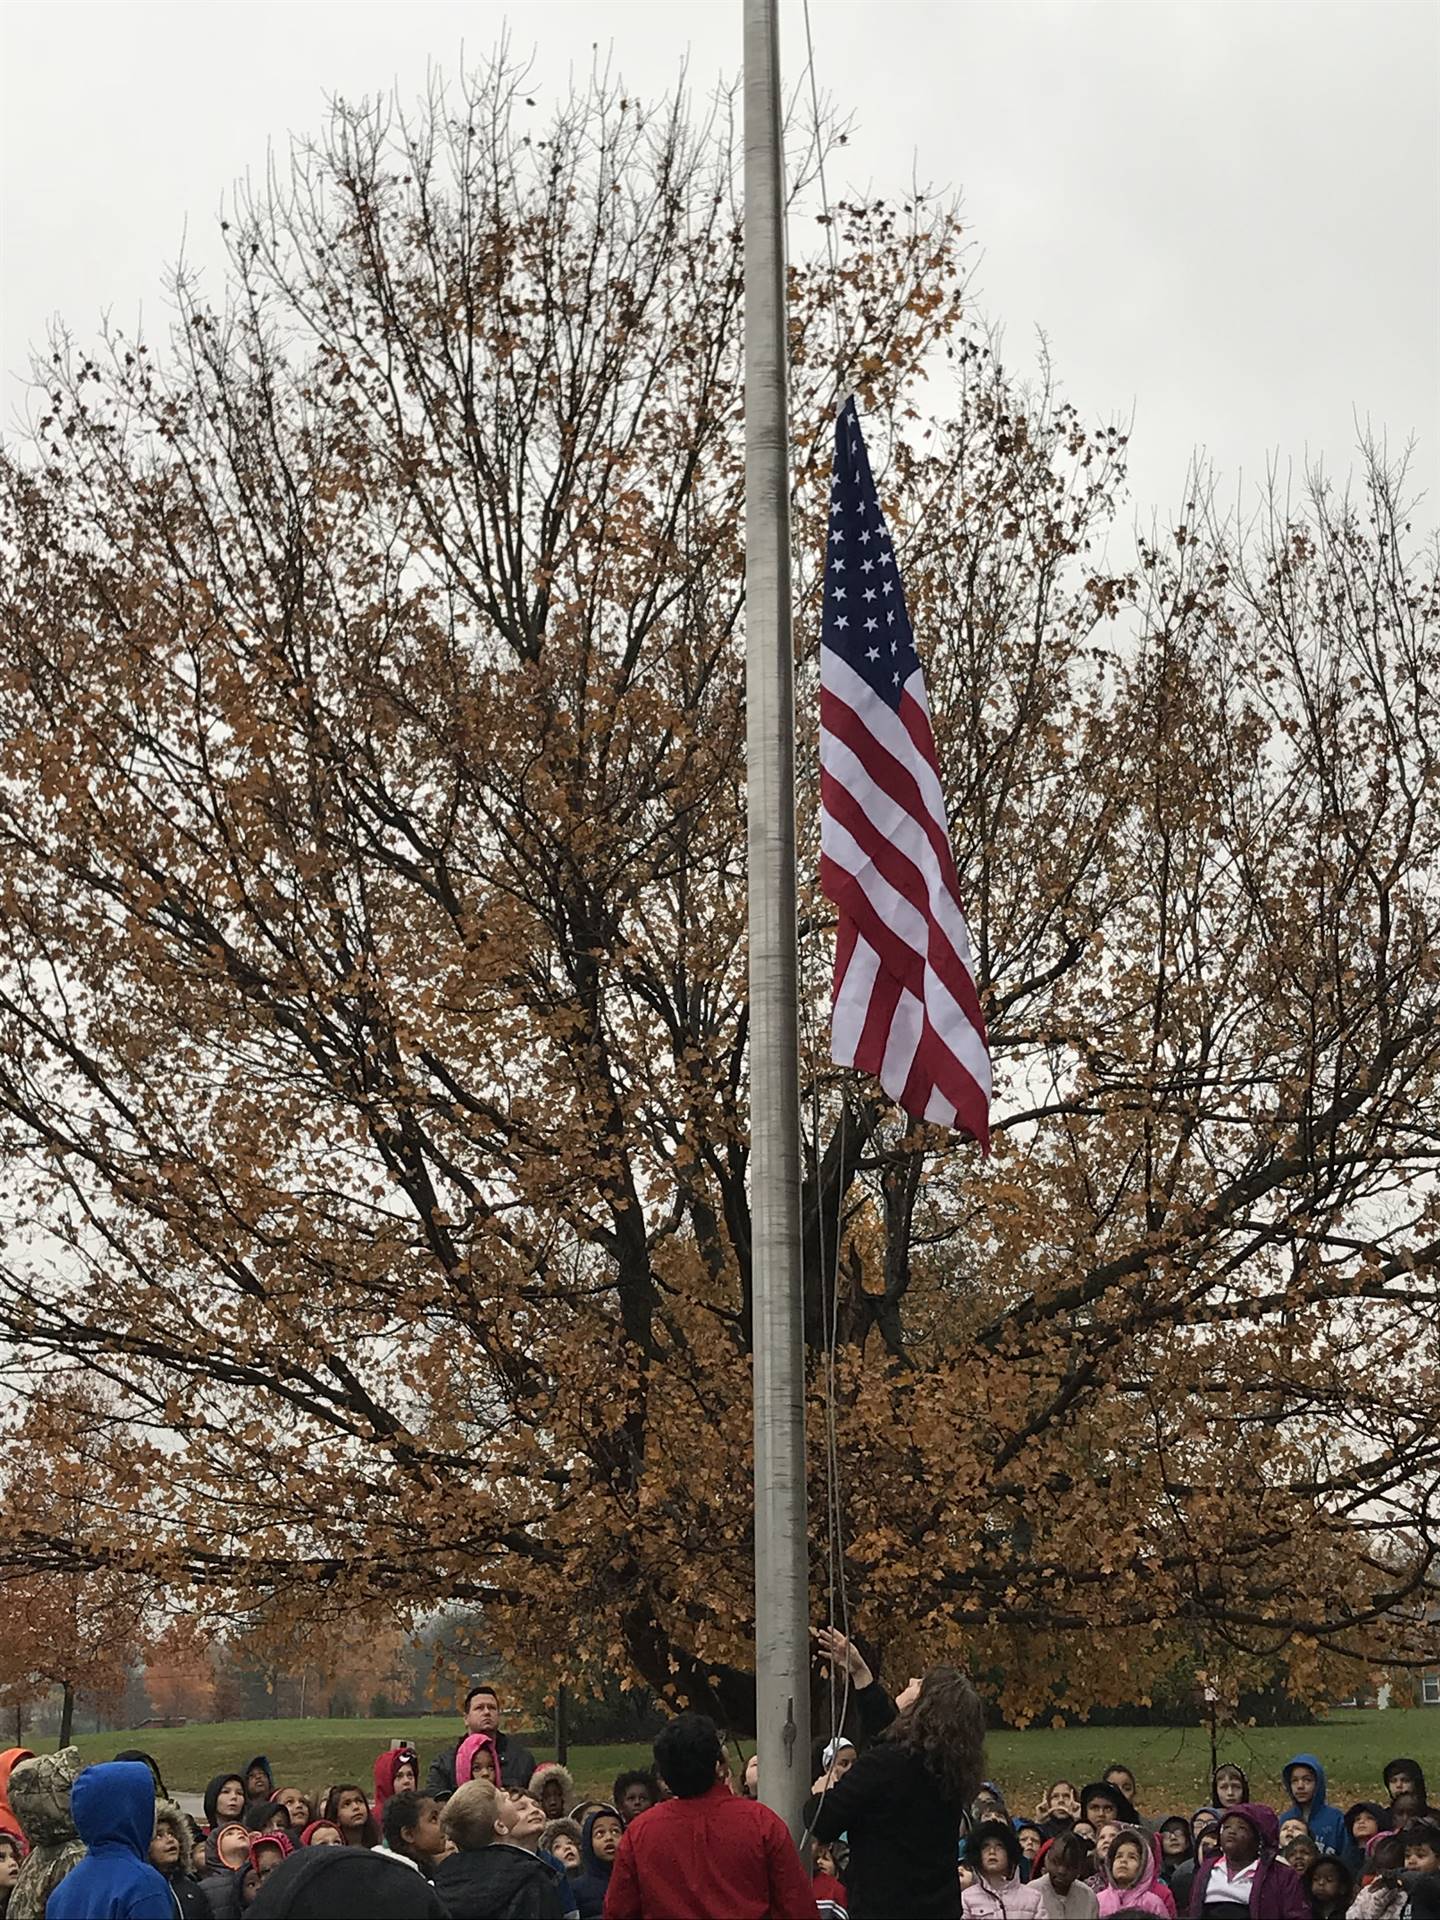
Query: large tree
x=76, y=1611
x=372, y=992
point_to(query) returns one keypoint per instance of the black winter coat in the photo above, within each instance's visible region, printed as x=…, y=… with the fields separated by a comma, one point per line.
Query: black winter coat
x=498, y=1883
x=904, y=1836
x=190, y=1902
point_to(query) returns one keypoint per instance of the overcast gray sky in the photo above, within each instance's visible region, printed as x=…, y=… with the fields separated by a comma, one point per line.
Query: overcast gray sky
x=1224, y=213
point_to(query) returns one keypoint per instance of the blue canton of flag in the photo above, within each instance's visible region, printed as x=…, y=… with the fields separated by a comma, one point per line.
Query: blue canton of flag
x=865, y=619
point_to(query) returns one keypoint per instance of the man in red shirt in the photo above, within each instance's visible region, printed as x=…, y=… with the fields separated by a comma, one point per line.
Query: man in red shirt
x=705, y=1852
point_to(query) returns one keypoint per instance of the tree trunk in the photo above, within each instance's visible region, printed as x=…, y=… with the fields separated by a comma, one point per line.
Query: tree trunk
x=67, y=1713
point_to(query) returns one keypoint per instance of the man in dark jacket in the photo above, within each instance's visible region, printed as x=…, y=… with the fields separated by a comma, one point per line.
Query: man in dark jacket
x=707, y=1851
x=113, y=1807
x=482, y=1715
x=499, y=1877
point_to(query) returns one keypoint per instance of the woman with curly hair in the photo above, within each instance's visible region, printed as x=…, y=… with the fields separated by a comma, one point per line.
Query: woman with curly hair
x=903, y=1802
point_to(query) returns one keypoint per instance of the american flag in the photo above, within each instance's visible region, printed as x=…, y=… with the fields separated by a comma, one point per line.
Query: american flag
x=905, y=1006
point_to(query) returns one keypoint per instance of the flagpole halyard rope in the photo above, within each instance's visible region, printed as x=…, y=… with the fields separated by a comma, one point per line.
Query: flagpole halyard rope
x=837, y=1590
x=842, y=357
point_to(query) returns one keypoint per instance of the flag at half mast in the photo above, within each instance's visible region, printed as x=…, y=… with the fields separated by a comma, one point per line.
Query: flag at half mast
x=905, y=1005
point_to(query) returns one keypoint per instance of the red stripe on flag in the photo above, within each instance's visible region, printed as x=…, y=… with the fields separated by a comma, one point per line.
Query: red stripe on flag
x=902, y=962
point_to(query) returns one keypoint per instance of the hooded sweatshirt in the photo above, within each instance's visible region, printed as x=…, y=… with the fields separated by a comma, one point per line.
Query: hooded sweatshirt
x=9, y=1760
x=1124, y=1809
x=113, y=1806
x=40, y=1795
x=1276, y=1891
x=139, y=1753
x=1143, y=1894
x=591, y=1882
x=1410, y=1766
x=1326, y=1823
x=387, y=1765
x=1354, y=1851
x=218, y=1874
x=212, y=1794
x=465, y=1756
x=262, y=1761
x=1229, y=1766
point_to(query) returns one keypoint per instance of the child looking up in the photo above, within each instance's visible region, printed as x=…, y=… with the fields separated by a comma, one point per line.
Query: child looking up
x=599, y=1844
x=998, y=1893
x=349, y=1810
x=1130, y=1876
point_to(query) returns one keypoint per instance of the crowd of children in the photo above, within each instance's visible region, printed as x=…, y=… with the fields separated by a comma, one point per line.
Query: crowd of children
x=1090, y=1852
x=492, y=1835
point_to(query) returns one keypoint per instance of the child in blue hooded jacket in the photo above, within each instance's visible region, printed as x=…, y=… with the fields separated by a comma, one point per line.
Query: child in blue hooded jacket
x=599, y=1843
x=1304, y=1779
x=113, y=1807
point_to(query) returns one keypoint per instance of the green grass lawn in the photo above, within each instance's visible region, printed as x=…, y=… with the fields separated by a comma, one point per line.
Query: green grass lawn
x=313, y=1753
x=1171, y=1764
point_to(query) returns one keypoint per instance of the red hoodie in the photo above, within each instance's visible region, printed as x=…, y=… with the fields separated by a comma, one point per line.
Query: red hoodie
x=387, y=1765
x=9, y=1760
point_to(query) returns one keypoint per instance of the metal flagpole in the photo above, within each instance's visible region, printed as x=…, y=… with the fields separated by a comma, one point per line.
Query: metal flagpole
x=782, y=1599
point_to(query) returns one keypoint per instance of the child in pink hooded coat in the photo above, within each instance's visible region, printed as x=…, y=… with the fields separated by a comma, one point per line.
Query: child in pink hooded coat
x=1131, y=1877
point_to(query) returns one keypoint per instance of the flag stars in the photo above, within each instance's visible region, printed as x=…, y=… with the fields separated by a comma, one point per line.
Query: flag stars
x=867, y=566
x=837, y=593
x=871, y=625
x=872, y=653
x=889, y=586
x=869, y=593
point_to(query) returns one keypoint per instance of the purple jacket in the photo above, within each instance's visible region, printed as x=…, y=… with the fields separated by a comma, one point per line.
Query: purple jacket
x=1277, y=1891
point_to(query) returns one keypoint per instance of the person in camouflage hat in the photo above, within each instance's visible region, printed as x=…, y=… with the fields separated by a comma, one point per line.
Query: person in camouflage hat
x=40, y=1796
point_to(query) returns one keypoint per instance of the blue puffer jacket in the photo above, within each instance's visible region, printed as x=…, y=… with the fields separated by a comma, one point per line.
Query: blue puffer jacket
x=1326, y=1823
x=113, y=1807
